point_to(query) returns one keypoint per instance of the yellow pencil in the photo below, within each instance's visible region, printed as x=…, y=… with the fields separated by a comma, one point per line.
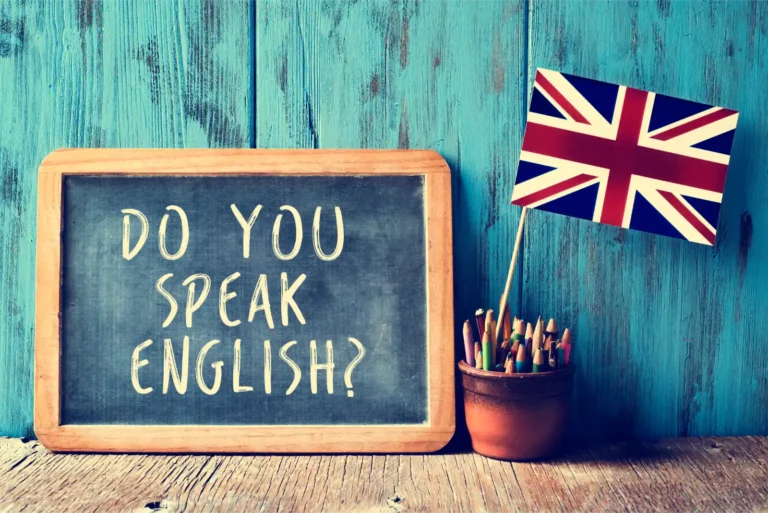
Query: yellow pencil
x=552, y=329
x=536, y=337
x=507, y=327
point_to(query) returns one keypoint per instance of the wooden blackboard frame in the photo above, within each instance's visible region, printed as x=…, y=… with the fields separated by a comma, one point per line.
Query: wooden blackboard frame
x=428, y=437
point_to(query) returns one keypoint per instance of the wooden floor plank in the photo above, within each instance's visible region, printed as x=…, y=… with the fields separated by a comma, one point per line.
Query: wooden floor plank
x=722, y=462
x=693, y=465
x=696, y=474
x=643, y=479
x=584, y=491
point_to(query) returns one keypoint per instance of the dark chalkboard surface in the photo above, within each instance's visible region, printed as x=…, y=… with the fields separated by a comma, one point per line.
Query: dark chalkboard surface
x=258, y=298
x=374, y=291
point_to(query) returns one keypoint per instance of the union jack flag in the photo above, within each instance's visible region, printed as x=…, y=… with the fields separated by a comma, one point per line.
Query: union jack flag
x=625, y=157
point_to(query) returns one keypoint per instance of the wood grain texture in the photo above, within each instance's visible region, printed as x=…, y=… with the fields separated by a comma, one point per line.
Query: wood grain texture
x=102, y=74
x=447, y=76
x=669, y=334
x=450, y=76
x=428, y=437
x=697, y=474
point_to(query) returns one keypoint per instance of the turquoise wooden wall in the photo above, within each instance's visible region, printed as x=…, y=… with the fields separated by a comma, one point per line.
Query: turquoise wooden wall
x=670, y=335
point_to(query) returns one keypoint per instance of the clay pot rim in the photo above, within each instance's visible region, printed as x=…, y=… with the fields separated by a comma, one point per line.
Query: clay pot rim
x=495, y=375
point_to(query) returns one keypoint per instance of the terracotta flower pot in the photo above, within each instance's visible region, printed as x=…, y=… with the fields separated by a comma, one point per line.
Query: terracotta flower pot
x=516, y=416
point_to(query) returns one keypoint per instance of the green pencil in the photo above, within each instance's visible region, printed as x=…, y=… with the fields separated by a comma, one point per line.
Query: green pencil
x=487, y=352
x=539, y=363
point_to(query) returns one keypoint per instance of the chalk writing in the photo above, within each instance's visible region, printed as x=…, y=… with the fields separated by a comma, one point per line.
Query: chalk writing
x=209, y=375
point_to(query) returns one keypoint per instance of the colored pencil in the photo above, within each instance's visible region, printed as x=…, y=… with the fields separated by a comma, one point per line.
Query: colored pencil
x=522, y=363
x=488, y=362
x=553, y=355
x=518, y=337
x=490, y=327
x=502, y=352
x=547, y=346
x=560, y=355
x=469, y=344
x=480, y=320
x=509, y=364
x=528, y=339
x=510, y=345
x=515, y=347
x=567, y=346
x=537, y=340
x=488, y=323
x=507, y=327
x=519, y=331
x=552, y=329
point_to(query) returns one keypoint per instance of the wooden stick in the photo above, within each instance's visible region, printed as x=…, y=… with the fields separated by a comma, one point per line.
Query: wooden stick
x=503, y=303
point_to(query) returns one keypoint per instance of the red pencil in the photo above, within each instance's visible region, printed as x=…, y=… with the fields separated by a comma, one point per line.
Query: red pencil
x=480, y=320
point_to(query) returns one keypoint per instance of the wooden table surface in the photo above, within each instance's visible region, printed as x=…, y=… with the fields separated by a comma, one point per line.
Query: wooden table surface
x=683, y=474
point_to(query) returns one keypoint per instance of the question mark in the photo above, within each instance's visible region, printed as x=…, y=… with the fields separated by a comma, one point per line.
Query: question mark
x=352, y=365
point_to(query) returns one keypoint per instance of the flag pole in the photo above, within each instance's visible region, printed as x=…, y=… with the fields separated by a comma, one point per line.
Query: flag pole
x=504, y=297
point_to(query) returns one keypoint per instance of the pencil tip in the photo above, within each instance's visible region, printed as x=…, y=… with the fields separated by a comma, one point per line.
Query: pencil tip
x=552, y=326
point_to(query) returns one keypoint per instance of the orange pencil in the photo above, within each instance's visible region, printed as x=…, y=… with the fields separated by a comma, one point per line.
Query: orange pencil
x=507, y=327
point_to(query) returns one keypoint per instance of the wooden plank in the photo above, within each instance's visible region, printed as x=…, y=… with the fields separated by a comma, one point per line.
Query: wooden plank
x=659, y=323
x=447, y=76
x=94, y=74
x=721, y=474
x=20, y=66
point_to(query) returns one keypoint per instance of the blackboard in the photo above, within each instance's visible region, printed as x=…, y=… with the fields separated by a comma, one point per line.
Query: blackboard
x=374, y=291
x=254, y=299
